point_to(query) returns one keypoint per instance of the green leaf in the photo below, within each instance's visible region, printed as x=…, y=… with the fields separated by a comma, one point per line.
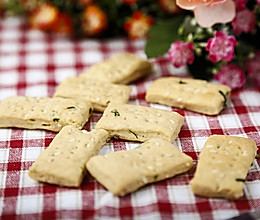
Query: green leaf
x=162, y=34
x=187, y=26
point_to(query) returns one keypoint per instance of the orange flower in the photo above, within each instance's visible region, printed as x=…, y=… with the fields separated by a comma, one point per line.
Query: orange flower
x=138, y=25
x=63, y=24
x=44, y=17
x=210, y=12
x=169, y=6
x=94, y=20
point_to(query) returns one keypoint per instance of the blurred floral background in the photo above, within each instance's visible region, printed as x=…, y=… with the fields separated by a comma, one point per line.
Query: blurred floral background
x=213, y=38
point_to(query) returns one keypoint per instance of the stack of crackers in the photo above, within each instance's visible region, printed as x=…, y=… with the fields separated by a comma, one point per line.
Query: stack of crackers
x=224, y=160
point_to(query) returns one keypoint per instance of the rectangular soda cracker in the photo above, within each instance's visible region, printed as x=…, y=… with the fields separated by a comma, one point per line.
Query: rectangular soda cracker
x=63, y=162
x=97, y=92
x=122, y=68
x=123, y=172
x=223, y=166
x=43, y=112
x=140, y=123
x=191, y=94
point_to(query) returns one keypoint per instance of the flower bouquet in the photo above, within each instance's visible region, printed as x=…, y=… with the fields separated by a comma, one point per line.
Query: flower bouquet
x=220, y=40
x=213, y=38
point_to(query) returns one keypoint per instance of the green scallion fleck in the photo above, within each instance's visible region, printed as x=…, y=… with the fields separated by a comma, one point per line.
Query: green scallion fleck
x=225, y=98
x=56, y=119
x=90, y=110
x=71, y=107
x=45, y=124
x=133, y=133
x=155, y=177
x=116, y=113
x=181, y=82
x=240, y=180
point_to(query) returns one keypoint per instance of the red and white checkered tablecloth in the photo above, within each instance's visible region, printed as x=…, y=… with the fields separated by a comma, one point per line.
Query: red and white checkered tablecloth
x=33, y=64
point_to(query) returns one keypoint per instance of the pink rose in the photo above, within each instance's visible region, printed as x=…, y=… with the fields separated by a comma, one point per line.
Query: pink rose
x=240, y=4
x=181, y=54
x=210, y=12
x=221, y=47
x=231, y=76
x=244, y=21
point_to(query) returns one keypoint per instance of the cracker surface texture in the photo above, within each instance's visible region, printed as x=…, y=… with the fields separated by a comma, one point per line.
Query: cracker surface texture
x=99, y=93
x=223, y=166
x=140, y=123
x=122, y=68
x=123, y=172
x=43, y=112
x=191, y=94
x=63, y=162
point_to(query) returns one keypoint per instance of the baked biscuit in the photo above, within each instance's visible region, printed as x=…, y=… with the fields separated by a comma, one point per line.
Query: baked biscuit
x=191, y=94
x=43, y=113
x=63, y=162
x=99, y=93
x=140, y=123
x=123, y=172
x=122, y=68
x=223, y=166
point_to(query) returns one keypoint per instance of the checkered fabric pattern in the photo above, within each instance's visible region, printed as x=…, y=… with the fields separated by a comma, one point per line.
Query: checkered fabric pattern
x=33, y=64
